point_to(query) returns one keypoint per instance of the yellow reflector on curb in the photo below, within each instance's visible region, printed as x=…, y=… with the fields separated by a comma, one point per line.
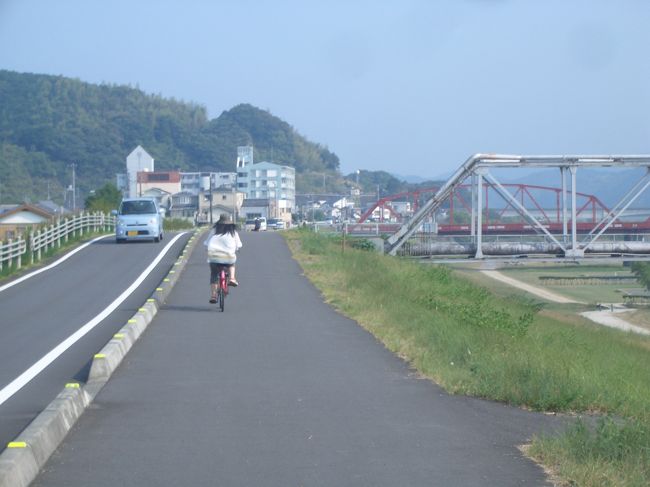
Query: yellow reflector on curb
x=132, y=321
x=166, y=279
x=159, y=289
x=118, y=335
x=17, y=444
x=142, y=310
x=72, y=385
x=172, y=272
x=151, y=300
x=100, y=355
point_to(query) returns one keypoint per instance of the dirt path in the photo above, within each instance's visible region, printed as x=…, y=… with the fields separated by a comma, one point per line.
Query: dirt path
x=608, y=318
x=602, y=317
x=542, y=293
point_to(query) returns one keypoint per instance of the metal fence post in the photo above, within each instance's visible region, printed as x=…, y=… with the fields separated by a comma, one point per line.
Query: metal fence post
x=19, y=260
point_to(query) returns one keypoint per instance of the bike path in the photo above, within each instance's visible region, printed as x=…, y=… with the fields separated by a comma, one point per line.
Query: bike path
x=281, y=390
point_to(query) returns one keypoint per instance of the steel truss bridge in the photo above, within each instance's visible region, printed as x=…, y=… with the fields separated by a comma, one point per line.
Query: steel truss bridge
x=578, y=223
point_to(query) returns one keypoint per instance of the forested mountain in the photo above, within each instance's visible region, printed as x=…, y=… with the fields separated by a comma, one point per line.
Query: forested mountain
x=48, y=122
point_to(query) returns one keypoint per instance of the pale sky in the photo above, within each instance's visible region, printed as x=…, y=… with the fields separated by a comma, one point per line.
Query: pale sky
x=412, y=87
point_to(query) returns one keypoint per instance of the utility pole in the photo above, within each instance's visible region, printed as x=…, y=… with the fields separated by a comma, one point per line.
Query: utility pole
x=210, y=200
x=74, y=188
x=234, y=205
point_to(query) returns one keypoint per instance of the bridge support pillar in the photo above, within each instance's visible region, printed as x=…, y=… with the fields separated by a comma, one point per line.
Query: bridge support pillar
x=565, y=232
x=479, y=213
x=574, y=254
x=574, y=227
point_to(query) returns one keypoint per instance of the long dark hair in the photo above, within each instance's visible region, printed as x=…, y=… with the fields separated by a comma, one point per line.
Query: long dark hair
x=223, y=228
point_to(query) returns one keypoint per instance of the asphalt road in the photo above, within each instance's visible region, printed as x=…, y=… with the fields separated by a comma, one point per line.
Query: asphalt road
x=281, y=390
x=42, y=311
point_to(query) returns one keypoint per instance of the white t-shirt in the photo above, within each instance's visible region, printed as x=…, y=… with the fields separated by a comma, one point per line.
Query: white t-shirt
x=222, y=248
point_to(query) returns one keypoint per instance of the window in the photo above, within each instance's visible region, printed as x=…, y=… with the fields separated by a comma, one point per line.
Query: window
x=158, y=176
x=138, y=207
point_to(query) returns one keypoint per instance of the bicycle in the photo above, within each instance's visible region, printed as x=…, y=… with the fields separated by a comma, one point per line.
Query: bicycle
x=222, y=288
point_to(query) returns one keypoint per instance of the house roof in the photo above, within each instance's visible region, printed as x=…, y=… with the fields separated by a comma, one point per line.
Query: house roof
x=26, y=207
x=51, y=207
x=139, y=148
x=5, y=208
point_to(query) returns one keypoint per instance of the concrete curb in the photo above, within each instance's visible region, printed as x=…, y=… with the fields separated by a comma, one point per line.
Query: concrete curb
x=23, y=458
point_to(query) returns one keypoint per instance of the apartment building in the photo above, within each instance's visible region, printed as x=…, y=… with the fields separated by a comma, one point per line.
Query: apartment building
x=267, y=181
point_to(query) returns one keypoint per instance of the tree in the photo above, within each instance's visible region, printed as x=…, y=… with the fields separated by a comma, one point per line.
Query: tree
x=105, y=199
x=642, y=272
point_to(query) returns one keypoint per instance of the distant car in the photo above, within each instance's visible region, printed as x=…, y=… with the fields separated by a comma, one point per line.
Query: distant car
x=275, y=224
x=138, y=219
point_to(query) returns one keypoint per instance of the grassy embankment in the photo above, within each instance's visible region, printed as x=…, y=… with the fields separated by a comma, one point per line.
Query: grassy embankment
x=472, y=341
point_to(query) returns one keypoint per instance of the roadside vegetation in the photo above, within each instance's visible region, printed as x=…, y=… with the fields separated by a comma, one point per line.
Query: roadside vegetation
x=501, y=347
x=176, y=224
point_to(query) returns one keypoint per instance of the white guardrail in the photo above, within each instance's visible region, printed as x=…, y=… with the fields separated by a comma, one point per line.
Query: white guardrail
x=45, y=238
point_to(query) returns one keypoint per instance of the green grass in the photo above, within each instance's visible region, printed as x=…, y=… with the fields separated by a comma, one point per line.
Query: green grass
x=174, y=224
x=614, y=453
x=498, y=346
x=590, y=294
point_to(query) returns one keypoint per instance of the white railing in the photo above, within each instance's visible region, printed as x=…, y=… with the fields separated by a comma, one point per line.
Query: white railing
x=11, y=252
x=45, y=238
x=49, y=237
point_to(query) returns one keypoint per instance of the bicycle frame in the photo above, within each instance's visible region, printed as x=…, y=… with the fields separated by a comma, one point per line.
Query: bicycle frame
x=222, y=290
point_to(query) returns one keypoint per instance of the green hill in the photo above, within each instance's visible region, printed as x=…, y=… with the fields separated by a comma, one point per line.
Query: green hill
x=48, y=122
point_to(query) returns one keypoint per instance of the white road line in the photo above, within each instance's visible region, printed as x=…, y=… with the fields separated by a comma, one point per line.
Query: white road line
x=22, y=380
x=53, y=264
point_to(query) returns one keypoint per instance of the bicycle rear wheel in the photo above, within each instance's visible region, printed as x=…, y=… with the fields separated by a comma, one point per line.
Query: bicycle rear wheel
x=221, y=297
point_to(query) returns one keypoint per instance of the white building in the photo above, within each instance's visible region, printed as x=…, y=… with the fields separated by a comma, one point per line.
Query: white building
x=195, y=182
x=266, y=180
x=137, y=161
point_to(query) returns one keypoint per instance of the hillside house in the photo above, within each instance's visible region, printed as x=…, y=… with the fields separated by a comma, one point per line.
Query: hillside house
x=17, y=220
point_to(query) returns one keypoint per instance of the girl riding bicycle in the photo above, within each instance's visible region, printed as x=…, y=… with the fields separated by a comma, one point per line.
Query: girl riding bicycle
x=222, y=248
